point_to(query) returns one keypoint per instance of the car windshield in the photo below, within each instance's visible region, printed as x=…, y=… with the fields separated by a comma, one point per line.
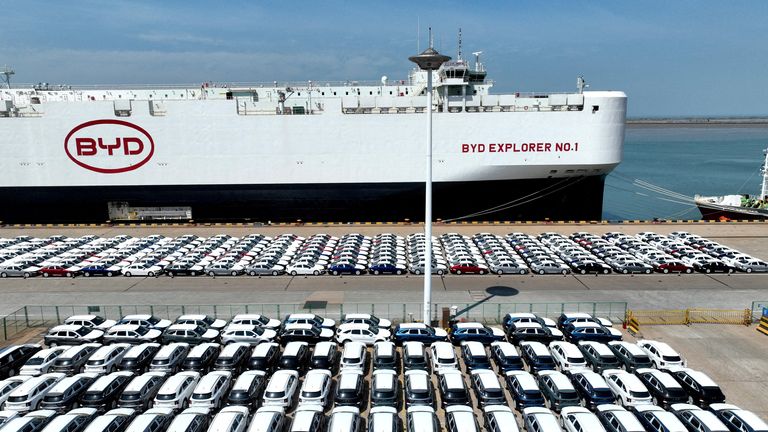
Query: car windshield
x=201, y=396
x=712, y=392
x=82, y=331
x=97, y=320
x=311, y=394
x=603, y=393
x=640, y=394
x=166, y=396
x=35, y=361
x=130, y=396
x=275, y=395
x=671, y=358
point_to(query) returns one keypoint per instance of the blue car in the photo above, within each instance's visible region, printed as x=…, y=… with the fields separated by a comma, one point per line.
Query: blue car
x=97, y=270
x=577, y=332
x=386, y=269
x=418, y=332
x=337, y=269
x=461, y=332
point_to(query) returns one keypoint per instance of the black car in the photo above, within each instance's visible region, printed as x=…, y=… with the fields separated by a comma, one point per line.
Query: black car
x=201, y=358
x=233, y=358
x=537, y=357
x=66, y=393
x=417, y=332
x=295, y=357
x=558, y=390
x=264, y=357
x=137, y=358
x=524, y=390
x=663, y=387
x=13, y=357
x=418, y=388
x=415, y=356
x=599, y=356
x=248, y=389
x=73, y=359
x=308, y=333
x=577, y=332
x=141, y=391
x=506, y=357
x=631, y=356
x=385, y=388
x=474, y=356
x=350, y=389
x=464, y=332
x=702, y=389
x=325, y=356
x=182, y=268
x=592, y=389
x=453, y=391
x=590, y=267
x=385, y=356
x=712, y=267
x=533, y=333
x=104, y=392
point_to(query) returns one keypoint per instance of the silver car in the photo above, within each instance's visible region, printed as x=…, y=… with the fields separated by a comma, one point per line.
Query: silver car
x=262, y=269
x=247, y=333
x=18, y=270
x=508, y=268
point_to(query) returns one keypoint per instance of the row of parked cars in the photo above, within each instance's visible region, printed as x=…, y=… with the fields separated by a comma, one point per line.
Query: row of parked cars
x=258, y=255
x=593, y=386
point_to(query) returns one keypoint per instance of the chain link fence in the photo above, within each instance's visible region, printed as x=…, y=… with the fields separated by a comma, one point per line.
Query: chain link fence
x=29, y=317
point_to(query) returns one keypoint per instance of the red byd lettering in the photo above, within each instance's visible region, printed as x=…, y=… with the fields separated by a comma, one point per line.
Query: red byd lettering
x=85, y=146
x=109, y=146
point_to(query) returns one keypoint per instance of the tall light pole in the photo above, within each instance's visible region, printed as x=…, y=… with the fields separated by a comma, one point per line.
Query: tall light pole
x=428, y=60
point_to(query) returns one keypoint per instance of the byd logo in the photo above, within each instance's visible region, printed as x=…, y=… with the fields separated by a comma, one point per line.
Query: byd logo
x=109, y=146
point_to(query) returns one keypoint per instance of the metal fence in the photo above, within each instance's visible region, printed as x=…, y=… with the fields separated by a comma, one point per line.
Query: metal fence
x=690, y=316
x=757, y=309
x=29, y=317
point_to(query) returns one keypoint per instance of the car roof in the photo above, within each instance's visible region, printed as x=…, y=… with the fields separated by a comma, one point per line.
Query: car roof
x=666, y=379
x=700, y=377
x=292, y=348
x=245, y=379
x=506, y=348
x=593, y=378
x=468, y=325
x=263, y=348
x=475, y=348
x=525, y=379
x=560, y=380
x=279, y=380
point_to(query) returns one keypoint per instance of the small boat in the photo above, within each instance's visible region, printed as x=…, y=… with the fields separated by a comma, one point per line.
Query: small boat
x=737, y=207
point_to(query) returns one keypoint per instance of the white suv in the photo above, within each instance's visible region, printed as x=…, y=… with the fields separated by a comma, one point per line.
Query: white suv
x=363, y=333
x=568, y=357
x=281, y=388
x=211, y=390
x=443, y=356
x=661, y=354
x=627, y=388
x=176, y=390
x=316, y=388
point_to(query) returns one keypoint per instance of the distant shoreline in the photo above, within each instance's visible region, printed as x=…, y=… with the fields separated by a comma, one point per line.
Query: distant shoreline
x=699, y=122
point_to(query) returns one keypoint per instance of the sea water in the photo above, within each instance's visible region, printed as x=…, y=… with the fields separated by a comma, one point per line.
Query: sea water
x=711, y=160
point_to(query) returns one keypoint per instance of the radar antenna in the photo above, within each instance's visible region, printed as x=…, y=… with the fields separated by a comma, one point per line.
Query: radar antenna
x=478, y=65
x=458, y=55
x=6, y=72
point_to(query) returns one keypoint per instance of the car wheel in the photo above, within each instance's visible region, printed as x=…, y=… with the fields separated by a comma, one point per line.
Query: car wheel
x=564, y=272
x=708, y=271
x=53, y=344
x=211, y=274
x=499, y=272
x=458, y=272
x=234, y=273
x=688, y=271
x=522, y=272
x=376, y=272
x=86, y=274
x=3, y=275
x=730, y=270
x=749, y=270
x=26, y=275
x=293, y=273
x=316, y=273
x=45, y=275
x=647, y=271
x=399, y=272
x=335, y=273
x=110, y=274
x=193, y=273
x=482, y=272
x=358, y=272
x=440, y=272
x=151, y=274
x=127, y=274
x=606, y=271
x=665, y=271
x=582, y=271
x=541, y=272
x=625, y=271
x=275, y=273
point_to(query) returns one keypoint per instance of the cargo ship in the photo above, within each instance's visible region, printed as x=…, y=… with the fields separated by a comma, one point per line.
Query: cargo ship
x=737, y=207
x=311, y=151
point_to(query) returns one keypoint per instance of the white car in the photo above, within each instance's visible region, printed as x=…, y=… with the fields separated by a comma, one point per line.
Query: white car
x=568, y=357
x=363, y=333
x=41, y=362
x=142, y=269
x=627, y=388
x=579, y=419
x=30, y=393
x=281, y=388
x=363, y=318
x=305, y=269
x=316, y=388
x=661, y=354
x=210, y=392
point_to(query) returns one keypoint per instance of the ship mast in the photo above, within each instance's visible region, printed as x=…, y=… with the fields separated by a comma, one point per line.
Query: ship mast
x=764, y=171
x=6, y=72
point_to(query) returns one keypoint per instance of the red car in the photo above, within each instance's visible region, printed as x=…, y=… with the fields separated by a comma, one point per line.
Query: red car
x=673, y=267
x=56, y=270
x=468, y=269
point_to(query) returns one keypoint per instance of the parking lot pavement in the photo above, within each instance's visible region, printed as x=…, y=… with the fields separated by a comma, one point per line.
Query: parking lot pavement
x=735, y=357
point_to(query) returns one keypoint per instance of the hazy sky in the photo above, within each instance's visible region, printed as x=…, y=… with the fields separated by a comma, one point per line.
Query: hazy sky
x=679, y=57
